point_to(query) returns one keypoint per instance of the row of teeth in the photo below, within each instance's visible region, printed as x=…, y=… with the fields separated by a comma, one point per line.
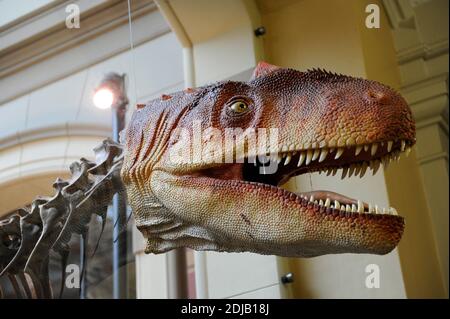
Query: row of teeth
x=373, y=209
x=320, y=154
x=360, y=169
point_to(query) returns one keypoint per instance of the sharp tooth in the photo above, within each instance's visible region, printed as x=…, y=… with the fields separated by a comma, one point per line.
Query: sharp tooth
x=360, y=207
x=386, y=161
x=343, y=208
x=354, y=209
x=363, y=169
x=301, y=159
x=331, y=149
x=311, y=199
x=374, y=148
x=309, y=154
x=407, y=151
x=357, y=169
x=393, y=211
x=358, y=149
x=316, y=202
x=337, y=205
x=339, y=152
x=288, y=159
x=375, y=165
x=377, y=211
x=370, y=208
x=323, y=155
x=315, y=154
x=385, y=211
x=403, y=145
x=389, y=145
x=334, y=171
x=366, y=147
x=327, y=202
x=344, y=172
x=351, y=170
x=348, y=208
x=329, y=171
x=321, y=202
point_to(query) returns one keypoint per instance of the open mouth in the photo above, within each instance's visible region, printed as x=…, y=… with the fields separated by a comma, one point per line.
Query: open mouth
x=348, y=161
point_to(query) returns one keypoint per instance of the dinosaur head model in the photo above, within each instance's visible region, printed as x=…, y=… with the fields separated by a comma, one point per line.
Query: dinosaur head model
x=203, y=167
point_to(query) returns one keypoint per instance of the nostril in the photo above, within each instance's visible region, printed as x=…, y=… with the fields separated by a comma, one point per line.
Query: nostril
x=376, y=96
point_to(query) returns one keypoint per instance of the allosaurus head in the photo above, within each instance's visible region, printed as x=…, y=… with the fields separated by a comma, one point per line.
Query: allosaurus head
x=198, y=176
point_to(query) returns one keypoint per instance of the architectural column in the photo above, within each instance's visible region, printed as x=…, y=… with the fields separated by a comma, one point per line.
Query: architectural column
x=420, y=30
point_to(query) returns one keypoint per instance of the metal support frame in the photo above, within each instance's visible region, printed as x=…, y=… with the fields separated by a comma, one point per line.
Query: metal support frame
x=116, y=83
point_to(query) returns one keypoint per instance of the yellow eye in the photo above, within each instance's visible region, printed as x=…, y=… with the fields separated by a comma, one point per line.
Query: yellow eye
x=239, y=107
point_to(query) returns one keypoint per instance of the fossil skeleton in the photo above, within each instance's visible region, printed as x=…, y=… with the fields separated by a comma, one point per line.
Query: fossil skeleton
x=29, y=234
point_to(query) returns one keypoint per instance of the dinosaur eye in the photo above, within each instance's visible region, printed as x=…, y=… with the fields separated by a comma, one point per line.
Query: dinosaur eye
x=239, y=107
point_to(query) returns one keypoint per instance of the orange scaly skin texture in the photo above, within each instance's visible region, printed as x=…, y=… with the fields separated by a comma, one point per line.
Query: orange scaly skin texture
x=229, y=207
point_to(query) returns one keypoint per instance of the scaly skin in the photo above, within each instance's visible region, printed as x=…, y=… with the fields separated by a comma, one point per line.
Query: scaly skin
x=325, y=121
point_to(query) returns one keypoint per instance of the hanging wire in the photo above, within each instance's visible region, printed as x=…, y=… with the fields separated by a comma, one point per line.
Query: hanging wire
x=132, y=56
x=123, y=228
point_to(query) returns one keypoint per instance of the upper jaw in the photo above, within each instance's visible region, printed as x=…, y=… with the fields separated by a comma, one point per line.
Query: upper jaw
x=353, y=159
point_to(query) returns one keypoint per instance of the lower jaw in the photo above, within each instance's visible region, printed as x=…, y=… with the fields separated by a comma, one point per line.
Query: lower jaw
x=336, y=201
x=269, y=220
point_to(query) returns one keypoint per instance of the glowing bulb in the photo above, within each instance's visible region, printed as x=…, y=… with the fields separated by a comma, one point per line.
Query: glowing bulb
x=103, y=98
